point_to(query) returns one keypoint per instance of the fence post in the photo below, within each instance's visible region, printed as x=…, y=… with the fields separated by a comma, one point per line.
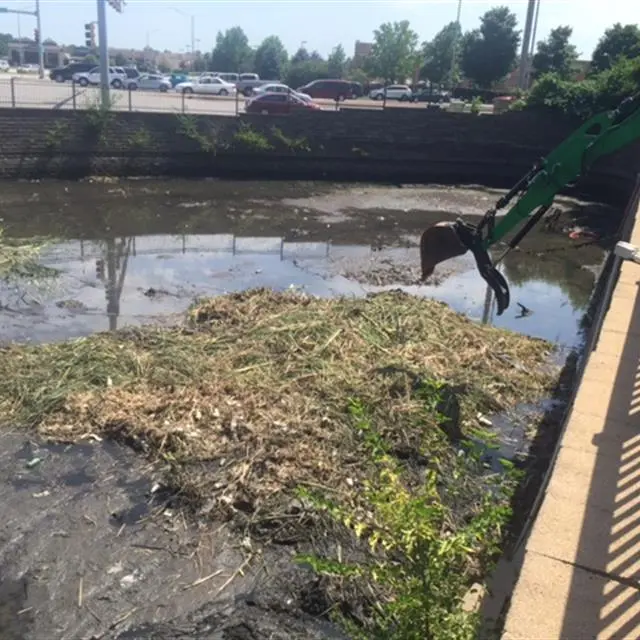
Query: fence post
x=130, y=99
x=384, y=98
x=237, y=101
x=73, y=94
x=13, y=92
x=183, y=99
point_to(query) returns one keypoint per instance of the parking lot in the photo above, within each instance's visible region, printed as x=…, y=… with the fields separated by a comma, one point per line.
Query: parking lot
x=17, y=91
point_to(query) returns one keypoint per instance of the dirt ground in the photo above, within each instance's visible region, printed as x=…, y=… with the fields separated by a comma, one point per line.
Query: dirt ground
x=118, y=562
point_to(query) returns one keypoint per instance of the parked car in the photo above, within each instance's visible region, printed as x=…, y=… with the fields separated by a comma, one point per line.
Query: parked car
x=394, y=92
x=278, y=103
x=207, y=86
x=357, y=90
x=150, y=82
x=178, y=78
x=328, y=89
x=117, y=77
x=430, y=95
x=4, y=65
x=277, y=87
x=64, y=74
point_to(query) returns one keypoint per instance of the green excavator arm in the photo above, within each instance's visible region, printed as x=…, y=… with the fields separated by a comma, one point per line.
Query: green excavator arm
x=602, y=135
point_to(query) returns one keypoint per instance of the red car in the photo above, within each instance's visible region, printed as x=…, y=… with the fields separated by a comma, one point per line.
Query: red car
x=278, y=103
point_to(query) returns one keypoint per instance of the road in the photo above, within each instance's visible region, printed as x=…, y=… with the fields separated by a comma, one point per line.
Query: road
x=35, y=93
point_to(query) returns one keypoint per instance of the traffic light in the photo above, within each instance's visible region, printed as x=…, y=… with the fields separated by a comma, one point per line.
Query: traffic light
x=90, y=35
x=36, y=35
x=100, y=269
x=116, y=4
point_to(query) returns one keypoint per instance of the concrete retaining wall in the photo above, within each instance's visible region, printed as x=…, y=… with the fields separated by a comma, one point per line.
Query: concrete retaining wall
x=394, y=145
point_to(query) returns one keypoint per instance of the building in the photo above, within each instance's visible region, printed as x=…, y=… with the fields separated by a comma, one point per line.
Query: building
x=21, y=53
x=362, y=50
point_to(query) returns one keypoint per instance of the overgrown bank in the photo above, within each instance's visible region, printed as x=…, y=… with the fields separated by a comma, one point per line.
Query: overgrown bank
x=299, y=420
x=396, y=145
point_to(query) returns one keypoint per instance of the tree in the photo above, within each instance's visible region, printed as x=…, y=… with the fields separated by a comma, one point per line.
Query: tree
x=336, y=62
x=271, y=58
x=232, y=51
x=5, y=39
x=489, y=53
x=91, y=59
x=440, y=53
x=304, y=72
x=556, y=54
x=120, y=60
x=301, y=55
x=617, y=42
x=393, y=54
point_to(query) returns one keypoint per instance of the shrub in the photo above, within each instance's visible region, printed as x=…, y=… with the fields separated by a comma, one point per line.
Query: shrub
x=583, y=99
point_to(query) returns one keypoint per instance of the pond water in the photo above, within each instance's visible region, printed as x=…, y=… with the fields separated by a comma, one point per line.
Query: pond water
x=133, y=252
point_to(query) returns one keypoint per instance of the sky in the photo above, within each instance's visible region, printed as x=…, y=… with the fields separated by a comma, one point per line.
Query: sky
x=319, y=24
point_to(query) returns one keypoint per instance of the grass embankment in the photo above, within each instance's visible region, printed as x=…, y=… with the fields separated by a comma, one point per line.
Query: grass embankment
x=290, y=413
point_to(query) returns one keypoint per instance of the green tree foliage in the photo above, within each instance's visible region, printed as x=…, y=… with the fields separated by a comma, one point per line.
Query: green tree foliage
x=556, y=54
x=300, y=74
x=394, y=54
x=271, y=59
x=91, y=59
x=301, y=55
x=336, y=62
x=5, y=39
x=489, y=53
x=120, y=60
x=618, y=41
x=602, y=91
x=439, y=53
x=232, y=52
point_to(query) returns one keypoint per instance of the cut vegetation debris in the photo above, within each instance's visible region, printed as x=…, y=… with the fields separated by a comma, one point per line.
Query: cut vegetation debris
x=261, y=382
x=266, y=404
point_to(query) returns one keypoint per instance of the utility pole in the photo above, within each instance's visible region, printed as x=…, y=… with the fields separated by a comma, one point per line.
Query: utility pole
x=455, y=43
x=104, y=54
x=526, y=44
x=533, y=43
x=104, y=49
x=39, y=43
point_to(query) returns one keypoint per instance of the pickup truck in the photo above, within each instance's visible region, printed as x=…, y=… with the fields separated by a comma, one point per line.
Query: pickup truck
x=247, y=82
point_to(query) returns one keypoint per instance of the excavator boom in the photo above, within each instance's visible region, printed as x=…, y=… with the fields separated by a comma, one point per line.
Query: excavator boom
x=603, y=134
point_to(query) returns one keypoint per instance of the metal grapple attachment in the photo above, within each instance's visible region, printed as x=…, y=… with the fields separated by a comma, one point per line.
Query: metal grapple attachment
x=445, y=240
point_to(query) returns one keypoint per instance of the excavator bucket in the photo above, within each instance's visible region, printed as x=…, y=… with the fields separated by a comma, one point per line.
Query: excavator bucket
x=445, y=240
x=438, y=243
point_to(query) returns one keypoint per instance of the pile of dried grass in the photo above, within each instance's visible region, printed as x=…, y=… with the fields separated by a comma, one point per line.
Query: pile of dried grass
x=258, y=385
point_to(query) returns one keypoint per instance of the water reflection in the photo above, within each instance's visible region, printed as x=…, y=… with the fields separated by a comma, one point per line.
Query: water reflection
x=131, y=280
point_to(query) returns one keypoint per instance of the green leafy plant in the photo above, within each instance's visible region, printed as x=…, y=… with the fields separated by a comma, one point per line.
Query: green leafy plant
x=188, y=127
x=476, y=103
x=420, y=560
x=141, y=138
x=56, y=135
x=98, y=117
x=293, y=144
x=246, y=136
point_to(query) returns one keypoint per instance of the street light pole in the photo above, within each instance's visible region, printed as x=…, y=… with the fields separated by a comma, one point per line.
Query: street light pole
x=455, y=43
x=104, y=54
x=39, y=43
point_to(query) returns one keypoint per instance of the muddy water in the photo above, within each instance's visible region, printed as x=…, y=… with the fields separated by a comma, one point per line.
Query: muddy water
x=132, y=252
